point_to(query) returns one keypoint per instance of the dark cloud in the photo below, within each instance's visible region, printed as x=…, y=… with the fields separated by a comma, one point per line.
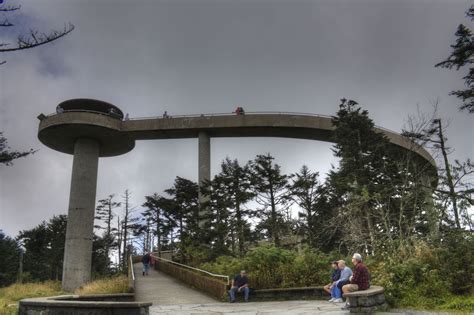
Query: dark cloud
x=207, y=57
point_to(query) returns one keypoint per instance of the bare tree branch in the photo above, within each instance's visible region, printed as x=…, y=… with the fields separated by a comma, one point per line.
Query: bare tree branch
x=34, y=39
x=6, y=23
x=9, y=8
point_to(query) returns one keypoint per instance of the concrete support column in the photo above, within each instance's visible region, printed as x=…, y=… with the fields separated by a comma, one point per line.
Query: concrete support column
x=80, y=225
x=204, y=168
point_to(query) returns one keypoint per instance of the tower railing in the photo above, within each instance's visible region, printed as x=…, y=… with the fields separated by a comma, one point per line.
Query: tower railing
x=211, y=115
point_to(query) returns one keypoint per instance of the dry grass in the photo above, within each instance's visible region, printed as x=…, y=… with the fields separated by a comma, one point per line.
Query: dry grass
x=10, y=295
x=105, y=286
x=15, y=292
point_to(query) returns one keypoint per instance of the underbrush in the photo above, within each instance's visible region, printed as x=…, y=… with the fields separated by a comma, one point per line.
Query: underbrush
x=417, y=275
x=272, y=267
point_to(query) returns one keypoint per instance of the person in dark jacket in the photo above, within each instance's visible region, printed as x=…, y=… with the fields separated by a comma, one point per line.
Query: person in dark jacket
x=360, y=279
x=239, y=284
x=336, y=273
x=146, y=263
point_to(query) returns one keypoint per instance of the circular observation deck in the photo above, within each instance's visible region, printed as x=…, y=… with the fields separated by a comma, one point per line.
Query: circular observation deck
x=85, y=118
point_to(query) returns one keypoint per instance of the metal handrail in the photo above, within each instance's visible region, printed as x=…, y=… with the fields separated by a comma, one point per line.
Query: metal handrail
x=212, y=115
x=131, y=267
x=230, y=114
x=192, y=268
x=85, y=111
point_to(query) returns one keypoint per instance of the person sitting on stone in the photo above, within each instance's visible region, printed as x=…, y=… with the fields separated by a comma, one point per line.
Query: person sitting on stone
x=336, y=273
x=360, y=278
x=336, y=288
x=239, y=284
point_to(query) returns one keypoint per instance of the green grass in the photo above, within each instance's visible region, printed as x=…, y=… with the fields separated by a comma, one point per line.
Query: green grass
x=455, y=304
x=459, y=303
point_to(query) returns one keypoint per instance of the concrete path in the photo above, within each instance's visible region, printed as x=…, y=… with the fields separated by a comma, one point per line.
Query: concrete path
x=251, y=308
x=162, y=289
x=171, y=297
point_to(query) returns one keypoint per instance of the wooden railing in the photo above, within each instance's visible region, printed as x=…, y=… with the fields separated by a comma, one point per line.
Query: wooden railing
x=213, y=284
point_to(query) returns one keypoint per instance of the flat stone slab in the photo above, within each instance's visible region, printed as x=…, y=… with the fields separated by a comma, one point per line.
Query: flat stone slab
x=252, y=308
x=373, y=290
x=74, y=304
x=268, y=308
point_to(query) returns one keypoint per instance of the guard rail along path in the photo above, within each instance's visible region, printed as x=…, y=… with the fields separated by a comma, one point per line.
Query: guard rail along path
x=213, y=284
x=131, y=275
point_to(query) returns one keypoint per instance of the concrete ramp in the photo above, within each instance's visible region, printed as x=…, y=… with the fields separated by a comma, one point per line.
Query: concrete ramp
x=162, y=289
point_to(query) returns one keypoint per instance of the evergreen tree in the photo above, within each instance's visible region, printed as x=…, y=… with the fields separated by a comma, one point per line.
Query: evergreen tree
x=127, y=224
x=370, y=186
x=9, y=259
x=44, y=249
x=155, y=212
x=183, y=208
x=105, y=213
x=463, y=55
x=271, y=188
x=6, y=156
x=232, y=190
x=306, y=191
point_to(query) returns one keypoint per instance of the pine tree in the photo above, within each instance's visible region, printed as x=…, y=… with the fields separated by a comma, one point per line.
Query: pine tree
x=361, y=177
x=271, y=188
x=44, y=249
x=463, y=55
x=158, y=211
x=105, y=213
x=306, y=191
x=7, y=157
x=127, y=224
x=9, y=259
x=183, y=208
x=233, y=190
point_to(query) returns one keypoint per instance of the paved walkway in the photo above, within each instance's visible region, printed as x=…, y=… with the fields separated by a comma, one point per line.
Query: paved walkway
x=171, y=297
x=162, y=289
x=250, y=308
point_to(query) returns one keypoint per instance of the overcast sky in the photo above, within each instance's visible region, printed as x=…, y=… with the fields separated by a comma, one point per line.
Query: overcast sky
x=192, y=57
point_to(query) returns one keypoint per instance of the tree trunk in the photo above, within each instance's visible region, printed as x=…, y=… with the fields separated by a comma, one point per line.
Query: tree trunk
x=273, y=221
x=449, y=177
x=240, y=228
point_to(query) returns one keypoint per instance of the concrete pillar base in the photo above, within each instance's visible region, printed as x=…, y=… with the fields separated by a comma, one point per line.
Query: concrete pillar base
x=204, y=171
x=80, y=225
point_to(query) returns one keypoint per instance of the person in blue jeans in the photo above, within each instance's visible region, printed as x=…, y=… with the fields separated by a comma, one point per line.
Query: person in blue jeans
x=336, y=274
x=336, y=288
x=146, y=263
x=240, y=284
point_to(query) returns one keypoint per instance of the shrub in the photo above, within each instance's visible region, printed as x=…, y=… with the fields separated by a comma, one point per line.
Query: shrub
x=417, y=274
x=272, y=267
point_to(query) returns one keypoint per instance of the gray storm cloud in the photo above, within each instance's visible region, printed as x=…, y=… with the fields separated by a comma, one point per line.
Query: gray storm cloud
x=191, y=57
